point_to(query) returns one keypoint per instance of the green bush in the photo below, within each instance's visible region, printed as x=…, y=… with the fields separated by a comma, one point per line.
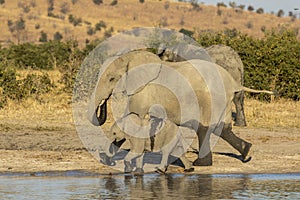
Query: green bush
x=36, y=85
x=47, y=55
x=31, y=86
x=271, y=63
x=9, y=85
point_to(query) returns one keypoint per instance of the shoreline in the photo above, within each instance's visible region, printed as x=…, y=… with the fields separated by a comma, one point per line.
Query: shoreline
x=61, y=151
x=85, y=173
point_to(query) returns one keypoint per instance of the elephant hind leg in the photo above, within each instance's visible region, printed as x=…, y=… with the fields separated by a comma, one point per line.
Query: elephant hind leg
x=238, y=100
x=239, y=144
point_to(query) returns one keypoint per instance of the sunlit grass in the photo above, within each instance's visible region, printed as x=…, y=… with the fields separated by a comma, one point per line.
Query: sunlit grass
x=53, y=111
x=280, y=113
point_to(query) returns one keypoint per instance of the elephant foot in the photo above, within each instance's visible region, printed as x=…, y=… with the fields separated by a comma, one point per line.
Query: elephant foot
x=240, y=123
x=128, y=168
x=138, y=171
x=160, y=171
x=106, y=160
x=189, y=169
x=206, y=161
x=246, y=151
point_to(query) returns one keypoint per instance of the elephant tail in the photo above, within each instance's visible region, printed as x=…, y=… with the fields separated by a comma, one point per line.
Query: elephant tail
x=246, y=89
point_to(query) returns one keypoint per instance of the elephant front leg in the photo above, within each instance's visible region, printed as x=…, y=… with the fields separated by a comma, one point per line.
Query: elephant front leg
x=188, y=167
x=136, y=151
x=139, y=165
x=239, y=107
x=162, y=168
x=166, y=151
x=205, y=155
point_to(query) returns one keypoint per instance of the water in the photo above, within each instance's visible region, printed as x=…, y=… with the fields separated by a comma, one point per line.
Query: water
x=78, y=185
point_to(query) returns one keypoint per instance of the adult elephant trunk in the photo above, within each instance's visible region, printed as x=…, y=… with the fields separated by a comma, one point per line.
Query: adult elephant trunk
x=97, y=114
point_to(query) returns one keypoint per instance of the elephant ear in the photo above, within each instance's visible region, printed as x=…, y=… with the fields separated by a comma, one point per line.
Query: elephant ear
x=114, y=68
x=229, y=59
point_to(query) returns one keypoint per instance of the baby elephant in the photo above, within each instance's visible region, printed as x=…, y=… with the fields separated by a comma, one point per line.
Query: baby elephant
x=155, y=135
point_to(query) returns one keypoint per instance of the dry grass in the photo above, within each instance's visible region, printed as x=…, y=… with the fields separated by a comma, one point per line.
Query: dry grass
x=52, y=112
x=280, y=113
x=55, y=113
x=128, y=14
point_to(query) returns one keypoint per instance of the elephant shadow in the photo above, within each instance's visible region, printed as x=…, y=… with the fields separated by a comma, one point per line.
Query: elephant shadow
x=233, y=155
x=149, y=158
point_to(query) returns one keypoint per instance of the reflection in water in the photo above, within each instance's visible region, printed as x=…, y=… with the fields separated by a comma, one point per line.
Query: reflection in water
x=152, y=186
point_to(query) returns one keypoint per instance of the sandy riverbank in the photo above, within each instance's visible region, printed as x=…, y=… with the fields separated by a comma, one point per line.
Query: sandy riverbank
x=273, y=151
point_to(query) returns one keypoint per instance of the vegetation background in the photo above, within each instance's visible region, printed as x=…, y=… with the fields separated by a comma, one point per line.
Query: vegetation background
x=44, y=42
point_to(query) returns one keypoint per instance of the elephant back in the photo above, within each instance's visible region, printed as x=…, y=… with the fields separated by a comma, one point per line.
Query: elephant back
x=229, y=59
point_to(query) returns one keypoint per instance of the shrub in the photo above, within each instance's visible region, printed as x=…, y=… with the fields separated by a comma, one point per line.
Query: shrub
x=186, y=32
x=195, y=5
x=91, y=31
x=280, y=13
x=250, y=8
x=75, y=20
x=100, y=24
x=9, y=85
x=219, y=12
x=270, y=63
x=260, y=11
x=57, y=36
x=249, y=25
x=74, y=1
x=43, y=37
x=47, y=55
x=12, y=88
x=221, y=4
x=114, y=2
x=64, y=8
x=35, y=85
x=98, y=2
x=167, y=5
x=50, y=5
x=37, y=26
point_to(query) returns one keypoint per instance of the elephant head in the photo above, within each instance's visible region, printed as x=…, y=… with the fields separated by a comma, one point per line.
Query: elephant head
x=117, y=138
x=111, y=72
x=130, y=124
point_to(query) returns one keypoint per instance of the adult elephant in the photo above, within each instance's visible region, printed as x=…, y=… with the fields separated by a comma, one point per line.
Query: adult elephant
x=222, y=55
x=211, y=85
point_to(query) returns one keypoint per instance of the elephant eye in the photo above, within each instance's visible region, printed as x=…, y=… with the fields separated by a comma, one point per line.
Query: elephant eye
x=111, y=79
x=114, y=133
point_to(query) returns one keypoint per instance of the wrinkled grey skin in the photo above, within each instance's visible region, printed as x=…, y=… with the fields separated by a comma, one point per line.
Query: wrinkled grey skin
x=227, y=58
x=222, y=55
x=168, y=140
x=141, y=102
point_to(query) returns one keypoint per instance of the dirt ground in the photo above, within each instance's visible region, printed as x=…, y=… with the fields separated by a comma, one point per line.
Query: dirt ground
x=30, y=151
